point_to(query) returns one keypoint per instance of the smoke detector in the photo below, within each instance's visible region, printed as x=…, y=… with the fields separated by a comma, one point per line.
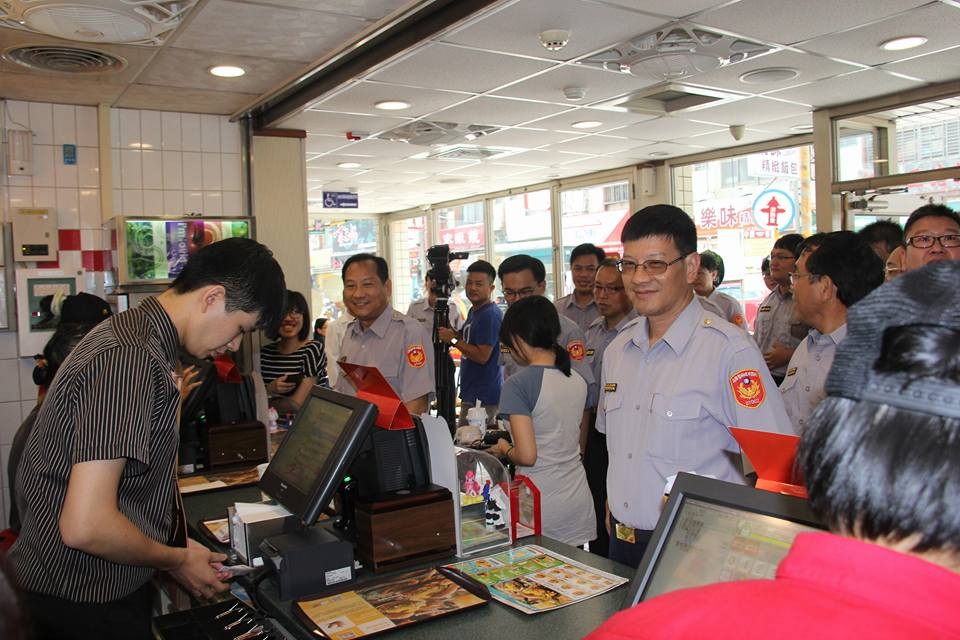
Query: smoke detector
x=144, y=22
x=554, y=39
x=674, y=52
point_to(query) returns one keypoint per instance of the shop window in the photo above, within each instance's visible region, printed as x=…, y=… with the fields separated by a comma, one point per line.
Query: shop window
x=331, y=242
x=522, y=224
x=408, y=260
x=594, y=214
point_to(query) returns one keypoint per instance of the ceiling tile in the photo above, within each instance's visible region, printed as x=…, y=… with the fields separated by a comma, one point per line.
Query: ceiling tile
x=935, y=67
x=317, y=143
x=723, y=139
x=599, y=164
x=370, y=9
x=493, y=170
x=497, y=111
x=664, y=128
x=442, y=66
x=746, y=111
x=52, y=88
x=939, y=23
x=672, y=8
x=382, y=148
x=809, y=67
x=526, y=138
x=360, y=98
x=847, y=88
x=265, y=31
x=174, y=67
x=595, y=144
x=610, y=118
x=600, y=85
x=792, y=22
x=333, y=123
x=142, y=96
x=515, y=28
x=662, y=150
x=784, y=125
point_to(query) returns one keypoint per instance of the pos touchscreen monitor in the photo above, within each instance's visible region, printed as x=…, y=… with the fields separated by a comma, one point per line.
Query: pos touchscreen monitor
x=317, y=451
x=713, y=531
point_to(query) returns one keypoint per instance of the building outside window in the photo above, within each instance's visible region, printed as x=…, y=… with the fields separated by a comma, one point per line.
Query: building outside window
x=331, y=242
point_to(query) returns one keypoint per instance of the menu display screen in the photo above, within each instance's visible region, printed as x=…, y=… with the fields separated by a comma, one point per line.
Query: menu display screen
x=158, y=249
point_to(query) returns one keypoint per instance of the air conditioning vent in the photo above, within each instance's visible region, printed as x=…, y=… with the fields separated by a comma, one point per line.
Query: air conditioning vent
x=427, y=133
x=669, y=97
x=470, y=152
x=61, y=59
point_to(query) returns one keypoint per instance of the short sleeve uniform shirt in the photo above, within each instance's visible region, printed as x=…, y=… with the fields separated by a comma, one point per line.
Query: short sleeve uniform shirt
x=804, y=386
x=583, y=316
x=775, y=323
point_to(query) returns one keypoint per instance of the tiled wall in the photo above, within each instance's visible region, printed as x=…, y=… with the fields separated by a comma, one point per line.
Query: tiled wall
x=174, y=163
x=163, y=164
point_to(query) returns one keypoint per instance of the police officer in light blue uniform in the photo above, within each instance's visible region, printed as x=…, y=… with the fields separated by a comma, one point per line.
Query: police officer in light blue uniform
x=673, y=382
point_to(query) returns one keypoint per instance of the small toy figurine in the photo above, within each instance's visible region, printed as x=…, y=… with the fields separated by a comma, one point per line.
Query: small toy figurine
x=493, y=516
x=470, y=486
x=486, y=491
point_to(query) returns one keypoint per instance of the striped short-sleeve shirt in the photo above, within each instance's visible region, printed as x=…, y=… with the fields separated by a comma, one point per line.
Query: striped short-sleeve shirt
x=308, y=360
x=114, y=397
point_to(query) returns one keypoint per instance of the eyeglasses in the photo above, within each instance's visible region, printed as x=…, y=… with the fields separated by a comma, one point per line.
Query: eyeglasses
x=796, y=275
x=521, y=293
x=653, y=267
x=782, y=256
x=600, y=288
x=948, y=241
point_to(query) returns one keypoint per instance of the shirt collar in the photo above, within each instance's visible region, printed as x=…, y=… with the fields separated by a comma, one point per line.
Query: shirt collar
x=168, y=339
x=679, y=333
x=836, y=336
x=624, y=321
x=379, y=325
x=571, y=301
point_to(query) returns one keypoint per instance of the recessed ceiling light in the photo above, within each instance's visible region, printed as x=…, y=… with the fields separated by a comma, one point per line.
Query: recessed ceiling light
x=773, y=74
x=802, y=128
x=586, y=124
x=349, y=165
x=658, y=154
x=227, y=71
x=392, y=105
x=906, y=42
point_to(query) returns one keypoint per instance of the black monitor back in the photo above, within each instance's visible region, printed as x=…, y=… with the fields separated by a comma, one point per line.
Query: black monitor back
x=391, y=460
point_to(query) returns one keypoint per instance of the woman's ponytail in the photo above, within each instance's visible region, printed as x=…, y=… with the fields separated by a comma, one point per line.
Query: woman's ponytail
x=563, y=359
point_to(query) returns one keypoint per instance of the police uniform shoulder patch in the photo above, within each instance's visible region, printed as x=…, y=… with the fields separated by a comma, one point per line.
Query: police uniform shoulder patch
x=576, y=350
x=416, y=356
x=747, y=387
x=610, y=387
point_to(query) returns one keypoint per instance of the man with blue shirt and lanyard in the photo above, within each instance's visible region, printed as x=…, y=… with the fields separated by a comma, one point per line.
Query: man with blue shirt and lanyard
x=479, y=344
x=673, y=381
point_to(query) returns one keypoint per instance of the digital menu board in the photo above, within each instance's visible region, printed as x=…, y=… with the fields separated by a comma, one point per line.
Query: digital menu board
x=157, y=250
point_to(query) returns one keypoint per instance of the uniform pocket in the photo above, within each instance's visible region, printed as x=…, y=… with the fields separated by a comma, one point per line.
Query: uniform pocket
x=673, y=426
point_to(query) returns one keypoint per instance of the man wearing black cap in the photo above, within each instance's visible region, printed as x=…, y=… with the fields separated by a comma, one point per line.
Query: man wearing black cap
x=880, y=461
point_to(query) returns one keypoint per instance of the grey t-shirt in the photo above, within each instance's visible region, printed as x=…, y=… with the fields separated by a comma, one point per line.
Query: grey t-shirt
x=554, y=403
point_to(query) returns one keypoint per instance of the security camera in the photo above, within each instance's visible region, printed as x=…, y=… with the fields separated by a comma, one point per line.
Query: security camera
x=554, y=39
x=736, y=130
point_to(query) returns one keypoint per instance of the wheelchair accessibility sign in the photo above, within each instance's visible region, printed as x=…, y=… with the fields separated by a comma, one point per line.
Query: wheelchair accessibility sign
x=340, y=200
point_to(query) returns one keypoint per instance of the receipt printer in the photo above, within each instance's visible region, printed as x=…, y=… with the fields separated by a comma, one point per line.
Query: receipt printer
x=308, y=561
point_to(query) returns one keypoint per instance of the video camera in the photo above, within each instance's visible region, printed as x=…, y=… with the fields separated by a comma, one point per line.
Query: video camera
x=439, y=256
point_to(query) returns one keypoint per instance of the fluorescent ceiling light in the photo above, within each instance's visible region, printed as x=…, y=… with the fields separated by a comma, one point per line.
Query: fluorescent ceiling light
x=905, y=42
x=392, y=105
x=586, y=124
x=349, y=165
x=227, y=71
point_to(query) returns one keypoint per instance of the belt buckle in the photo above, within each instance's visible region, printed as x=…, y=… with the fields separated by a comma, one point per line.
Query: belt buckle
x=626, y=534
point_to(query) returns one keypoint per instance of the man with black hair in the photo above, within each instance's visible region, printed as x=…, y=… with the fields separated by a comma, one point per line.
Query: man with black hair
x=479, y=343
x=879, y=459
x=97, y=478
x=883, y=236
x=932, y=233
x=397, y=345
x=776, y=331
x=672, y=382
x=580, y=306
x=423, y=308
x=835, y=271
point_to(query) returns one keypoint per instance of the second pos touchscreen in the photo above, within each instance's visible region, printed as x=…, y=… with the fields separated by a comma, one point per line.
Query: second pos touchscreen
x=317, y=451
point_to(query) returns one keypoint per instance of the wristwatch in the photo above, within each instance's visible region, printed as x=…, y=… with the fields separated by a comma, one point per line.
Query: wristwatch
x=454, y=341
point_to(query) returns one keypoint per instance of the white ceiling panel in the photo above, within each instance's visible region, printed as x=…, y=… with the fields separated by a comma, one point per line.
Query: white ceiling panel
x=382, y=148
x=442, y=66
x=360, y=98
x=333, y=123
x=174, y=67
x=939, y=23
x=661, y=150
x=664, y=128
x=600, y=163
x=936, y=67
x=497, y=111
x=847, y=88
x=809, y=68
x=493, y=170
x=331, y=160
x=723, y=139
x=785, y=126
x=369, y=9
x=317, y=143
x=526, y=138
x=515, y=28
x=599, y=85
x=547, y=157
x=671, y=8
x=792, y=22
x=609, y=118
x=430, y=165
x=747, y=111
x=268, y=31
x=596, y=144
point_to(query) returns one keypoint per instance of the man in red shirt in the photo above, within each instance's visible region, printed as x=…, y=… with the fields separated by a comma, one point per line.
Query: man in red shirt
x=879, y=456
